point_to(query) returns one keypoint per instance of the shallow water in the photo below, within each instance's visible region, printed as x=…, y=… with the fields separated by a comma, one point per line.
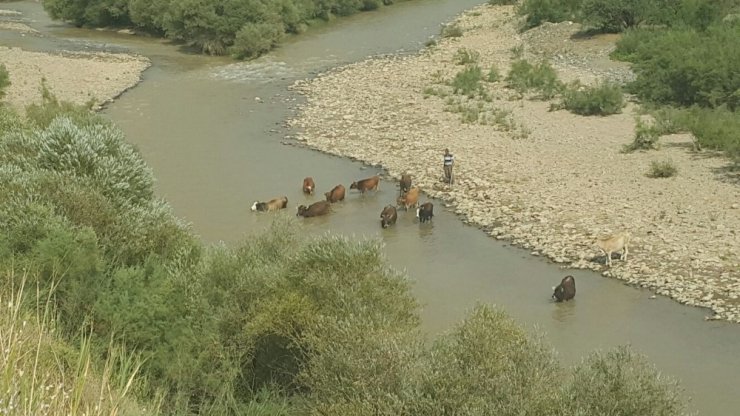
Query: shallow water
x=215, y=149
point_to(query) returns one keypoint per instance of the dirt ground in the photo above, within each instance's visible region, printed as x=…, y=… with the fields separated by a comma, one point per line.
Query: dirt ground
x=548, y=181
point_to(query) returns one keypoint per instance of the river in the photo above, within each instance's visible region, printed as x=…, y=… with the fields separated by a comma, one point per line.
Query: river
x=213, y=131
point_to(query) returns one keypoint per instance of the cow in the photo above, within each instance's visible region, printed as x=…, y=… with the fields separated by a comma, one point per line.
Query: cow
x=405, y=184
x=410, y=199
x=308, y=185
x=425, y=212
x=566, y=290
x=615, y=242
x=271, y=205
x=314, y=210
x=372, y=183
x=336, y=194
x=388, y=216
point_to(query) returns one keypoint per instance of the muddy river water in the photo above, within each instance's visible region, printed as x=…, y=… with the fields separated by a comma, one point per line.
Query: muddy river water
x=212, y=130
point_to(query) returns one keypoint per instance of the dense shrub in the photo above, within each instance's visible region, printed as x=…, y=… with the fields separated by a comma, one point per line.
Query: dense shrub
x=254, y=39
x=211, y=26
x=685, y=67
x=488, y=366
x=715, y=129
x=501, y=2
x=541, y=78
x=621, y=383
x=537, y=12
x=452, y=30
x=618, y=15
x=602, y=99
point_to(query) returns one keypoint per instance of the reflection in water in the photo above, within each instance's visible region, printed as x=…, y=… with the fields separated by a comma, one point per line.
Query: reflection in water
x=563, y=311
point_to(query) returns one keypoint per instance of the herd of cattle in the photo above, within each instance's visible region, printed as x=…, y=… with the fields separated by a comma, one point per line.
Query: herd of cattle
x=408, y=198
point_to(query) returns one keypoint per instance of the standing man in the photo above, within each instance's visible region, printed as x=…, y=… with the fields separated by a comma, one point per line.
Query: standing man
x=449, y=160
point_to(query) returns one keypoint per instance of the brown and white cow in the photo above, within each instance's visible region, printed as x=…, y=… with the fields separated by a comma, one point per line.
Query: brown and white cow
x=314, y=210
x=566, y=290
x=388, y=216
x=308, y=185
x=410, y=199
x=405, y=184
x=271, y=205
x=425, y=212
x=336, y=194
x=372, y=183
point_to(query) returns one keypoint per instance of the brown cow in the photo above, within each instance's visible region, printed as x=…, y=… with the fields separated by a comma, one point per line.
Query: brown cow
x=271, y=205
x=366, y=184
x=425, y=212
x=336, y=194
x=566, y=290
x=405, y=183
x=388, y=216
x=314, y=210
x=308, y=185
x=411, y=199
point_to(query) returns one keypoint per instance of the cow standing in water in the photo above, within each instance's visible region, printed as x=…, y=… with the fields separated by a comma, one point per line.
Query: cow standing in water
x=566, y=290
x=336, y=194
x=425, y=212
x=388, y=216
x=314, y=210
x=371, y=183
x=271, y=205
x=308, y=185
x=410, y=199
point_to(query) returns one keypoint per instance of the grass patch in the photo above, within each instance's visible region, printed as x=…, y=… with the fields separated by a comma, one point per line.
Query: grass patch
x=647, y=136
x=465, y=56
x=662, y=169
x=493, y=75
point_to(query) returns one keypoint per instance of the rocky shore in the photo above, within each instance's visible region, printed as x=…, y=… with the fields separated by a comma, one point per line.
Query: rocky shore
x=548, y=181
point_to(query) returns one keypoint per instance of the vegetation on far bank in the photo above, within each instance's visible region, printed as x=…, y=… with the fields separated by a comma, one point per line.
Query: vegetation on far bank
x=244, y=29
x=116, y=307
x=684, y=53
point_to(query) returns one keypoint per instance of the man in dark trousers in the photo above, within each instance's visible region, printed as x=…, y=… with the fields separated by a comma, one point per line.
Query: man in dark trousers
x=449, y=160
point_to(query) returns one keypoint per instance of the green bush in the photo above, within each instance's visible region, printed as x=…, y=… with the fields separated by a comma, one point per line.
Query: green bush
x=254, y=39
x=502, y=2
x=537, y=12
x=685, y=67
x=488, y=365
x=602, y=99
x=464, y=56
x=493, y=74
x=467, y=81
x=621, y=383
x=662, y=169
x=715, y=129
x=618, y=15
x=524, y=77
x=647, y=136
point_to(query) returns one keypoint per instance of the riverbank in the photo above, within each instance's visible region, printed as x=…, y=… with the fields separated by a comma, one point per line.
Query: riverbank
x=77, y=77
x=552, y=181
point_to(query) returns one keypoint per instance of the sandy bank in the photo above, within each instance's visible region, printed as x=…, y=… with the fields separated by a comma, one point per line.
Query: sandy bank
x=548, y=181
